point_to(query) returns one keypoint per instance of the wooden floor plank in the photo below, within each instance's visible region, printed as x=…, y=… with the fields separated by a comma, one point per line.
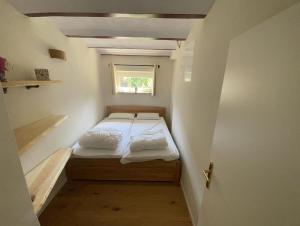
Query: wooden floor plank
x=117, y=204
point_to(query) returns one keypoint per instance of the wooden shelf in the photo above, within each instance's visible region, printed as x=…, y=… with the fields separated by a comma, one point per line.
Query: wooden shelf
x=41, y=179
x=27, y=84
x=27, y=135
x=24, y=83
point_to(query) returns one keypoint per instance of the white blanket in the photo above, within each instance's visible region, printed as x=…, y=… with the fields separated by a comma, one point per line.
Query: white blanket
x=168, y=153
x=101, y=138
x=122, y=125
x=148, y=141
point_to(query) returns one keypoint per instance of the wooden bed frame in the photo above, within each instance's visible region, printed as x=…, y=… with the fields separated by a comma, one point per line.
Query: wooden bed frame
x=112, y=169
x=135, y=109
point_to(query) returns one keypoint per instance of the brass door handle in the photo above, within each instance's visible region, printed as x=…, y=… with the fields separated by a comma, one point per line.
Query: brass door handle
x=207, y=174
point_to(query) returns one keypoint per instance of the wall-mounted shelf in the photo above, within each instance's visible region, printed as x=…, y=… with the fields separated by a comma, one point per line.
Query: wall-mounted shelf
x=58, y=54
x=27, y=135
x=41, y=179
x=28, y=84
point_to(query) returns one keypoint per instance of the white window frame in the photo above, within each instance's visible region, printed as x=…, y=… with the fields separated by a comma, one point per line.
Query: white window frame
x=187, y=54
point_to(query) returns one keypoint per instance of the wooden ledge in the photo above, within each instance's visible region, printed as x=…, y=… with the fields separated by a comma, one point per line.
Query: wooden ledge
x=41, y=179
x=28, y=84
x=27, y=135
x=24, y=83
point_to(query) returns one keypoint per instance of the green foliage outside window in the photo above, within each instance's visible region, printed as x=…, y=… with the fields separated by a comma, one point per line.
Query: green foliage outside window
x=138, y=82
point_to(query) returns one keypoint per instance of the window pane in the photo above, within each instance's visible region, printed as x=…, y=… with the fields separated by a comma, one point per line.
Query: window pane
x=134, y=79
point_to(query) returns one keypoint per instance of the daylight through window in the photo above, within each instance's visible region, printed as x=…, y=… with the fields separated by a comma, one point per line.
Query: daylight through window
x=138, y=79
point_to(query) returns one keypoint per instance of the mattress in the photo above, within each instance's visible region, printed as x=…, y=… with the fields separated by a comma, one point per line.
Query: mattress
x=139, y=126
x=123, y=125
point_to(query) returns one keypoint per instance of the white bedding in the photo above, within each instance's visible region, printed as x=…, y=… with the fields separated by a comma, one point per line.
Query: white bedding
x=130, y=128
x=148, y=141
x=122, y=125
x=140, y=126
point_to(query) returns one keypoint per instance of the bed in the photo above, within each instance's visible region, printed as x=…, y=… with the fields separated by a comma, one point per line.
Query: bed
x=122, y=165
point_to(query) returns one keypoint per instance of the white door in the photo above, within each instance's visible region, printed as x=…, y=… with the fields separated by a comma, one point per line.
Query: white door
x=256, y=147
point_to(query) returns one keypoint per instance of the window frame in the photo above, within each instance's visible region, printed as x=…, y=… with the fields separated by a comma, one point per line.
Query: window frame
x=114, y=79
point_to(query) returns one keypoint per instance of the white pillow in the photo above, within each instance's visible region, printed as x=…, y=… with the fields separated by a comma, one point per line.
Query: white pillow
x=101, y=139
x=147, y=116
x=121, y=116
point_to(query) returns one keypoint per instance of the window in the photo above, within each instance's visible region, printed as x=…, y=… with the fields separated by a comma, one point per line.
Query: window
x=138, y=79
x=187, y=60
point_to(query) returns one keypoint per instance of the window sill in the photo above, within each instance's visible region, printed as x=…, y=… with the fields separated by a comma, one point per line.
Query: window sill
x=148, y=94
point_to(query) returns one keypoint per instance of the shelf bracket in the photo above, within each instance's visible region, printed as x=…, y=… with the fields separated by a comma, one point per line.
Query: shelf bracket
x=35, y=86
x=27, y=87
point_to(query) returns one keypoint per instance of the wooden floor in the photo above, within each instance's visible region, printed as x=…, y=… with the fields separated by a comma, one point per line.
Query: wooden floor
x=117, y=204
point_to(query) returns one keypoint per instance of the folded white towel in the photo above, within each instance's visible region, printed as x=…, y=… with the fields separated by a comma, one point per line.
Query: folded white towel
x=101, y=139
x=148, y=141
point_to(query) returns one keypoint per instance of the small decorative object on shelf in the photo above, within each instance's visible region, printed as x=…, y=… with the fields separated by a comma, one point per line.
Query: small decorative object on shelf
x=56, y=53
x=4, y=66
x=42, y=74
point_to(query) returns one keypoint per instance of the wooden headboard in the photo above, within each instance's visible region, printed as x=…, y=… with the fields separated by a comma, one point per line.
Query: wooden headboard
x=135, y=109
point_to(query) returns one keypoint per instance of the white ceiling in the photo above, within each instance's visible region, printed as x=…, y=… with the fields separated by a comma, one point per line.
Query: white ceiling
x=127, y=36
x=134, y=20
x=128, y=27
x=128, y=43
x=132, y=46
x=115, y=6
x=135, y=52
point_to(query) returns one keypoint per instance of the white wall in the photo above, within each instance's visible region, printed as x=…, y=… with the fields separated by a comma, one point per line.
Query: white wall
x=163, y=81
x=25, y=43
x=195, y=104
x=15, y=205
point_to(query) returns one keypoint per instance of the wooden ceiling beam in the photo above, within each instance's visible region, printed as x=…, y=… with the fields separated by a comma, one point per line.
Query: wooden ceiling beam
x=128, y=48
x=135, y=15
x=122, y=37
x=132, y=55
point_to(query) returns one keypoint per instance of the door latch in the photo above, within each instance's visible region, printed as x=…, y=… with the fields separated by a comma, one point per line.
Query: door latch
x=207, y=174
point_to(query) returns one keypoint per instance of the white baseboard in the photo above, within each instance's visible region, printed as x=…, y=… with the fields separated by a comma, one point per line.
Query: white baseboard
x=193, y=218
